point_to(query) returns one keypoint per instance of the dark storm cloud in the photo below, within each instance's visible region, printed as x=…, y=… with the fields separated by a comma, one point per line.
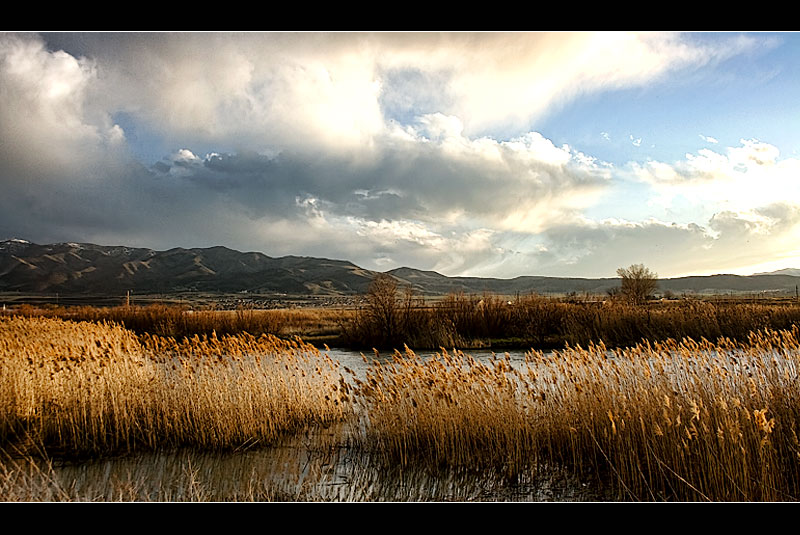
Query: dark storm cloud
x=418, y=181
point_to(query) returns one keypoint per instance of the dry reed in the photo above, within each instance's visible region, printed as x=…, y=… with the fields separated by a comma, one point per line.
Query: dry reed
x=671, y=421
x=457, y=320
x=470, y=321
x=680, y=419
x=182, y=321
x=88, y=389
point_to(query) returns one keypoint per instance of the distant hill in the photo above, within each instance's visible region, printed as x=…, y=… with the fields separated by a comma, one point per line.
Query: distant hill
x=431, y=282
x=733, y=284
x=788, y=271
x=84, y=268
x=88, y=269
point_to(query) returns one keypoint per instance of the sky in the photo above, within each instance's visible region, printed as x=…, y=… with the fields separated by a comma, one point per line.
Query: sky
x=475, y=154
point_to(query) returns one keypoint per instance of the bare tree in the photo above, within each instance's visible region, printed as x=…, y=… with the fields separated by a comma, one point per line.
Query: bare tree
x=383, y=307
x=638, y=283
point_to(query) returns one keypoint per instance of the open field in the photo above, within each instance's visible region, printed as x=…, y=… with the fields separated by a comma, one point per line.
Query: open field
x=678, y=420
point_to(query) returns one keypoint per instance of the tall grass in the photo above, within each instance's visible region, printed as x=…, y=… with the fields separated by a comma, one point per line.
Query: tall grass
x=664, y=421
x=183, y=321
x=88, y=389
x=468, y=321
x=458, y=320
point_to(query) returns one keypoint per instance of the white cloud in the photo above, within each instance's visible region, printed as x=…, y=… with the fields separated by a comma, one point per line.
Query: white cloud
x=388, y=233
x=512, y=78
x=328, y=89
x=740, y=178
x=47, y=119
x=727, y=242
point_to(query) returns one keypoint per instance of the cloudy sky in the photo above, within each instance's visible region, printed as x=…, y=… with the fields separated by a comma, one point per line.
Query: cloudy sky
x=488, y=154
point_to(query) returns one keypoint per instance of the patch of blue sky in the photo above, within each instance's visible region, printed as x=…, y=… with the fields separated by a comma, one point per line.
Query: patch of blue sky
x=148, y=145
x=754, y=97
x=409, y=93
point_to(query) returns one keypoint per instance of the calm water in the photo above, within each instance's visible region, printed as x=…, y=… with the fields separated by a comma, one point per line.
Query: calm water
x=354, y=360
x=301, y=468
x=315, y=465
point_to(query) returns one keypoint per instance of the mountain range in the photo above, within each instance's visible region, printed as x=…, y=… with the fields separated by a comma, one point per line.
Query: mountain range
x=84, y=268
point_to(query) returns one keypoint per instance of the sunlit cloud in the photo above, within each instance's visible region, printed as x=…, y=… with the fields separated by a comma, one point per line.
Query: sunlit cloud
x=740, y=178
x=387, y=149
x=330, y=88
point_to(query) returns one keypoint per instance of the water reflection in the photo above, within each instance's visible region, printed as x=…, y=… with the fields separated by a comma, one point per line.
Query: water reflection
x=301, y=468
x=360, y=361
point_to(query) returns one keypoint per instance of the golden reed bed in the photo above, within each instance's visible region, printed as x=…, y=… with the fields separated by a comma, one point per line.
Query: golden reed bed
x=681, y=420
x=458, y=320
x=671, y=421
x=88, y=389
